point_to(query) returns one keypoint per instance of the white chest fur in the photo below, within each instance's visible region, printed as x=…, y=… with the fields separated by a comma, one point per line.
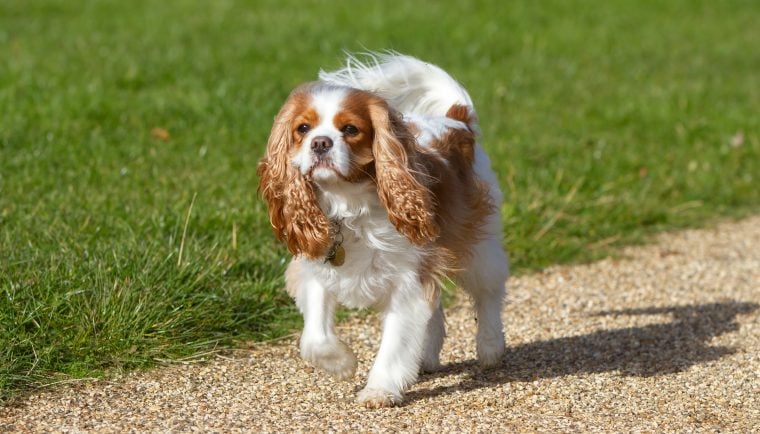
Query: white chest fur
x=378, y=259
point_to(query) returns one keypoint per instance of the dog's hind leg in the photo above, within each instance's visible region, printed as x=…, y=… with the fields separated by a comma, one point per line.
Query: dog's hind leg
x=434, y=336
x=485, y=280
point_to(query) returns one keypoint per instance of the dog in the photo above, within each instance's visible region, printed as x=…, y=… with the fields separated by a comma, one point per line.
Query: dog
x=376, y=184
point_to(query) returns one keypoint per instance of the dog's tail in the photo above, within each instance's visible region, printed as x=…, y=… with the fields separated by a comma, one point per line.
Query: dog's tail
x=407, y=83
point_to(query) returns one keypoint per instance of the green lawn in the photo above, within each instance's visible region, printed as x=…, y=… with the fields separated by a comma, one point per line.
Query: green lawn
x=606, y=121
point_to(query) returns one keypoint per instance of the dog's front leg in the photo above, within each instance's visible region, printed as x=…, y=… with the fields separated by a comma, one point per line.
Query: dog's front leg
x=319, y=344
x=398, y=360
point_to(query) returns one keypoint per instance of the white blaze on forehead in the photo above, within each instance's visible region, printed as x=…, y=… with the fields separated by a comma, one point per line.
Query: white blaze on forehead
x=327, y=103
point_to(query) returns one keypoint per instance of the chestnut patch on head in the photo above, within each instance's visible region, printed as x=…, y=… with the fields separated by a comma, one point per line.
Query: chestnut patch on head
x=306, y=119
x=354, y=122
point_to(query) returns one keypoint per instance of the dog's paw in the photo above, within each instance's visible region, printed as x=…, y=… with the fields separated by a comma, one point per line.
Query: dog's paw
x=333, y=357
x=490, y=355
x=378, y=398
x=430, y=365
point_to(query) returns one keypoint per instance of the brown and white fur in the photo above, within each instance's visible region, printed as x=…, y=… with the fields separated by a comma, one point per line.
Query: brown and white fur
x=383, y=155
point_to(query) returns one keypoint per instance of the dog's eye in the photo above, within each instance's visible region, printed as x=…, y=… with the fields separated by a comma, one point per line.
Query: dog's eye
x=349, y=130
x=303, y=128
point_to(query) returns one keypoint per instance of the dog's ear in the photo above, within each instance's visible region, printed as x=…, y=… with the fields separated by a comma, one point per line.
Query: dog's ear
x=294, y=212
x=409, y=203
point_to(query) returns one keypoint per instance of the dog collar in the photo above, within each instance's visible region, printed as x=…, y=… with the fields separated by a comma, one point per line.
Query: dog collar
x=336, y=255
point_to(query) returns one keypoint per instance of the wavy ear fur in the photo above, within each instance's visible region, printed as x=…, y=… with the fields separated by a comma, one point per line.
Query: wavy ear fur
x=409, y=203
x=294, y=212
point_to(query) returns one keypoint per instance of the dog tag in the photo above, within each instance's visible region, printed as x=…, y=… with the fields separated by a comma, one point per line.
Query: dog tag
x=338, y=257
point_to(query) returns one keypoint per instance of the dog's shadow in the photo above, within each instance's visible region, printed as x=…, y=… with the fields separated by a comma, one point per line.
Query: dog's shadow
x=636, y=351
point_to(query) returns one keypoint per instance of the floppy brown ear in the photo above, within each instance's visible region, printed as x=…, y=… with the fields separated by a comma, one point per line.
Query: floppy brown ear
x=409, y=203
x=294, y=212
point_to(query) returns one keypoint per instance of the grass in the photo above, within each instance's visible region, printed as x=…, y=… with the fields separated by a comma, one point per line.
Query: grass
x=121, y=247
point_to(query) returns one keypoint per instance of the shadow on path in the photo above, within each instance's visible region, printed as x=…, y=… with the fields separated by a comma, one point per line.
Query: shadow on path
x=636, y=351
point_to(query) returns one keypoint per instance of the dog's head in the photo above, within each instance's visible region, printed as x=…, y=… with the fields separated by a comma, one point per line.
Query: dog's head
x=325, y=136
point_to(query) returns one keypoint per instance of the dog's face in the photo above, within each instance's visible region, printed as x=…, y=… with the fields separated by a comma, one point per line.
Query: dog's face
x=332, y=134
x=325, y=135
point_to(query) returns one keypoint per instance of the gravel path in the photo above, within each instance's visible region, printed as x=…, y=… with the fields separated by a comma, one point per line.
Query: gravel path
x=667, y=339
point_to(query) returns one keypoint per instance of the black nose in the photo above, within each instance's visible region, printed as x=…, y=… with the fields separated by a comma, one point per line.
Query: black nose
x=321, y=144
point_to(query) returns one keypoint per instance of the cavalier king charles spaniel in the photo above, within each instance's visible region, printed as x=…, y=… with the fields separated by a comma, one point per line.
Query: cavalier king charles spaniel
x=378, y=187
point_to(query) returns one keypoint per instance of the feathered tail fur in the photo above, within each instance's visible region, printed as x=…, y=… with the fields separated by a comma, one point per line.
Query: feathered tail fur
x=408, y=84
